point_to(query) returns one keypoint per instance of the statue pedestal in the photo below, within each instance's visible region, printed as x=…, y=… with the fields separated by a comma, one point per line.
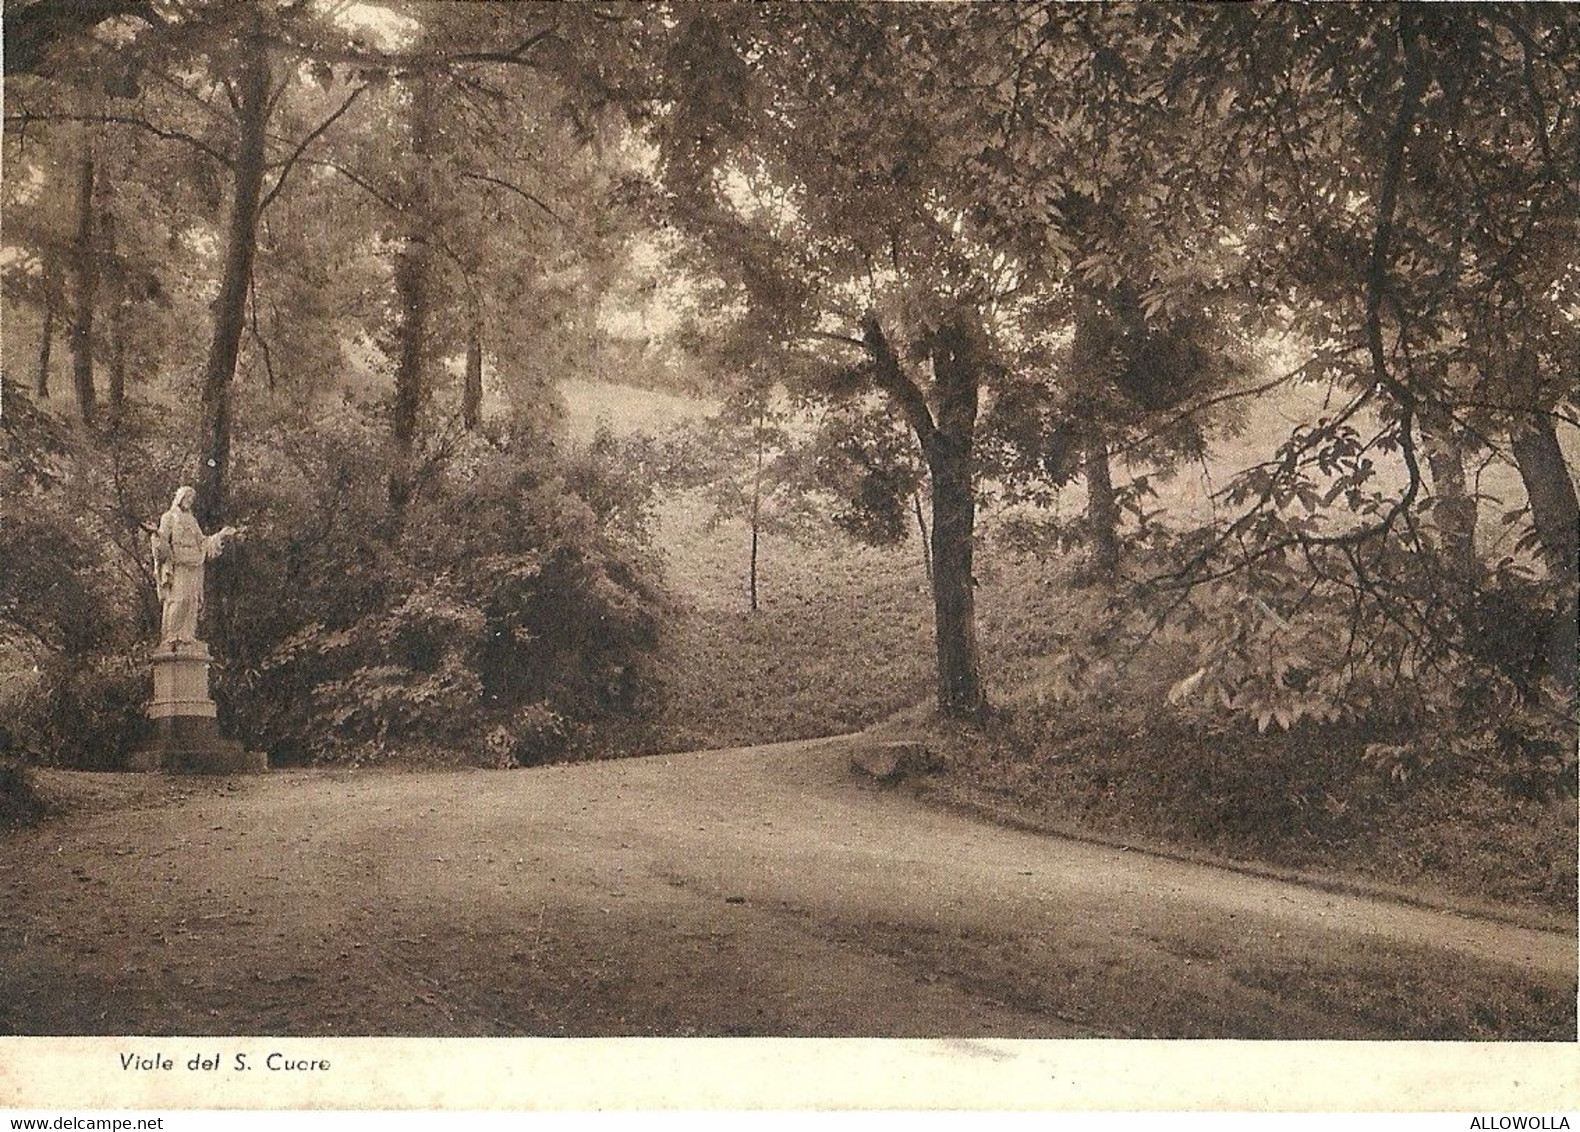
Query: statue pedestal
x=186, y=738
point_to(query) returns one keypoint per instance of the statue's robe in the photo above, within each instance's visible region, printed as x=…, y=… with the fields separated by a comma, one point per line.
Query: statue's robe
x=180, y=551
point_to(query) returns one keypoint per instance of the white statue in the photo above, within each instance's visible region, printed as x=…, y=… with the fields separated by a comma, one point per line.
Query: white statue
x=180, y=551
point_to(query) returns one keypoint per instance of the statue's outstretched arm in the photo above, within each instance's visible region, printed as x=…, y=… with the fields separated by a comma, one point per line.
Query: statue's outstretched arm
x=214, y=544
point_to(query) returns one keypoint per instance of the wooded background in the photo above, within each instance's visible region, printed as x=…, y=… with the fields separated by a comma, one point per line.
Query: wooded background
x=1232, y=348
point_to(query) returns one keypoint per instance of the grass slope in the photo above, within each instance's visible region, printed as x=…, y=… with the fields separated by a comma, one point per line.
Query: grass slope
x=843, y=640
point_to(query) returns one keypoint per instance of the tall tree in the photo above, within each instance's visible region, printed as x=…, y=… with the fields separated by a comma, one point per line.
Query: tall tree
x=920, y=186
x=837, y=217
x=412, y=285
x=85, y=279
x=251, y=93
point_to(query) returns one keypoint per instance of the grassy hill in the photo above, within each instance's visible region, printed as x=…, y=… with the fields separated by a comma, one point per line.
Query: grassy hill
x=843, y=641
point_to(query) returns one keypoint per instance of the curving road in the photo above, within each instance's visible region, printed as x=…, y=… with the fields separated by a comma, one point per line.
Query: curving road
x=759, y=891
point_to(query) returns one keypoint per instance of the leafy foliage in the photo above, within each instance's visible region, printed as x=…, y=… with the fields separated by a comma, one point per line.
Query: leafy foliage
x=515, y=597
x=961, y=255
x=513, y=586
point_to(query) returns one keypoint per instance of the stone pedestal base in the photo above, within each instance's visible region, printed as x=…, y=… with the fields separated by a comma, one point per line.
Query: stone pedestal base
x=186, y=737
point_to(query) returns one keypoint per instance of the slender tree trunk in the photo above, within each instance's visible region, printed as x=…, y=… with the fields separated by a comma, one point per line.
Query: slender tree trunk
x=472, y=389
x=47, y=338
x=757, y=511
x=753, y=583
x=921, y=525
x=411, y=289
x=1102, y=512
x=230, y=308
x=950, y=460
x=1556, y=515
x=117, y=360
x=117, y=305
x=1455, y=509
x=85, y=272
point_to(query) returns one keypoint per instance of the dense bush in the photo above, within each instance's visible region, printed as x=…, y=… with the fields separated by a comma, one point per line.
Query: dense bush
x=1449, y=674
x=19, y=801
x=507, y=603
x=1270, y=714
x=76, y=601
x=1313, y=796
x=511, y=584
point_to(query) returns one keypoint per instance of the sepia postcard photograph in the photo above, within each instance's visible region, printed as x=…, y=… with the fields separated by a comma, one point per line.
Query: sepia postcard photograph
x=1025, y=541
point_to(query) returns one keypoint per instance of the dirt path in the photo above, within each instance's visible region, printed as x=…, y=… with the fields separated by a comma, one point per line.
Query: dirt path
x=757, y=891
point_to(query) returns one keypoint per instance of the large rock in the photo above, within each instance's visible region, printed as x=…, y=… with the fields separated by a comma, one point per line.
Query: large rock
x=892, y=760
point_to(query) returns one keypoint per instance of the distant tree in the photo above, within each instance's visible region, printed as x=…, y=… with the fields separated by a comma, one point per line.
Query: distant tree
x=747, y=462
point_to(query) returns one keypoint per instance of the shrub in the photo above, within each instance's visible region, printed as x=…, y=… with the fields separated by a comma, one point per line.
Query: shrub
x=84, y=713
x=513, y=582
x=73, y=609
x=537, y=734
x=510, y=584
x=19, y=801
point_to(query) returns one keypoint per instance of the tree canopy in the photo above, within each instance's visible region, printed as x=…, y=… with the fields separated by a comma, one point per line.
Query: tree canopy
x=992, y=250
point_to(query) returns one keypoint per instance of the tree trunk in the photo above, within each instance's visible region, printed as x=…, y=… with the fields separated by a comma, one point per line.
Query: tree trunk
x=950, y=460
x=410, y=289
x=757, y=511
x=947, y=442
x=1455, y=509
x=753, y=582
x=921, y=525
x=960, y=691
x=85, y=273
x=1556, y=515
x=411, y=286
x=47, y=339
x=472, y=389
x=117, y=303
x=230, y=308
x=117, y=359
x=1102, y=512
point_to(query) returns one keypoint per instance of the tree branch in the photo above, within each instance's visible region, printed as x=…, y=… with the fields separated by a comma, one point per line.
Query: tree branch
x=1415, y=80
x=1203, y=406
x=301, y=148
x=891, y=377
x=841, y=338
x=516, y=54
x=25, y=118
x=518, y=190
x=190, y=95
x=390, y=61
x=393, y=205
x=356, y=179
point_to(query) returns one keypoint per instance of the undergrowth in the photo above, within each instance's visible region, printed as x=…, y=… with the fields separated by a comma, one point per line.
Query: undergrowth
x=844, y=640
x=20, y=803
x=1308, y=798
